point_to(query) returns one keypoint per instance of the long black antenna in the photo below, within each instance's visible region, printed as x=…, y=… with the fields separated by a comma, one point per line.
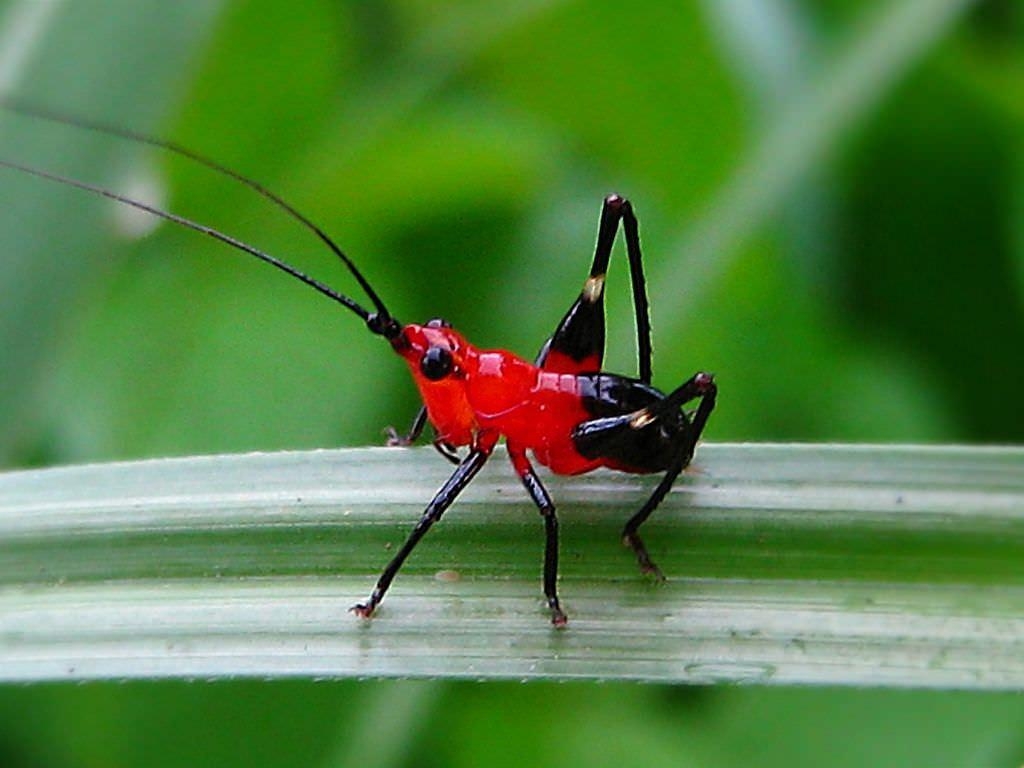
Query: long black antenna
x=31, y=110
x=383, y=325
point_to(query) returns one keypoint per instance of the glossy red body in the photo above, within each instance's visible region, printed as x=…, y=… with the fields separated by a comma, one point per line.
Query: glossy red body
x=493, y=393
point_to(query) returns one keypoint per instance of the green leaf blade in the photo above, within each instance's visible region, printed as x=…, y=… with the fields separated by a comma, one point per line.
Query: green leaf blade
x=858, y=565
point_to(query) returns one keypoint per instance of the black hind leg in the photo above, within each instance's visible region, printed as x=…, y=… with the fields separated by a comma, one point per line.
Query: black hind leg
x=700, y=385
x=577, y=345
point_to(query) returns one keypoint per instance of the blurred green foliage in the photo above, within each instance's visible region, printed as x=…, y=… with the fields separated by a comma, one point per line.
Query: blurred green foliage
x=873, y=290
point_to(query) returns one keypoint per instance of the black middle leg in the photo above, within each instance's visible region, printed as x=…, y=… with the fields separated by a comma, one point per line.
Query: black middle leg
x=547, y=510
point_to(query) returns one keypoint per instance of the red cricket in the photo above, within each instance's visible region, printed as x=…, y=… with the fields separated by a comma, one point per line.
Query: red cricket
x=561, y=409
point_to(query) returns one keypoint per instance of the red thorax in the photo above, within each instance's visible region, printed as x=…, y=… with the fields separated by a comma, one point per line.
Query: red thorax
x=492, y=393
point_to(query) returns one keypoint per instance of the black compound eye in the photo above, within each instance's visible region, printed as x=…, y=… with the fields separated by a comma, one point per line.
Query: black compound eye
x=436, y=363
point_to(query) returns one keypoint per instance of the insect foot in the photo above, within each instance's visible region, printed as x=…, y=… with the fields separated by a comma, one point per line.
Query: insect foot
x=647, y=566
x=362, y=610
x=654, y=571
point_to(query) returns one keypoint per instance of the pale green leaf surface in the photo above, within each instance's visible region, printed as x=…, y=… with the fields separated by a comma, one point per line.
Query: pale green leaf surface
x=136, y=73
x=860, y=565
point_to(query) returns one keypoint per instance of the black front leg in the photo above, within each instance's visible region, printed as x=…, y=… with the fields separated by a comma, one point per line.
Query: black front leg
x=415, y=430
x=395, y=438
x=442, y=500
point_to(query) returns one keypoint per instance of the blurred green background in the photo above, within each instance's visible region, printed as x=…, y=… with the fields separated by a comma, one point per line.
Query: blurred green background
x=831, y=199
